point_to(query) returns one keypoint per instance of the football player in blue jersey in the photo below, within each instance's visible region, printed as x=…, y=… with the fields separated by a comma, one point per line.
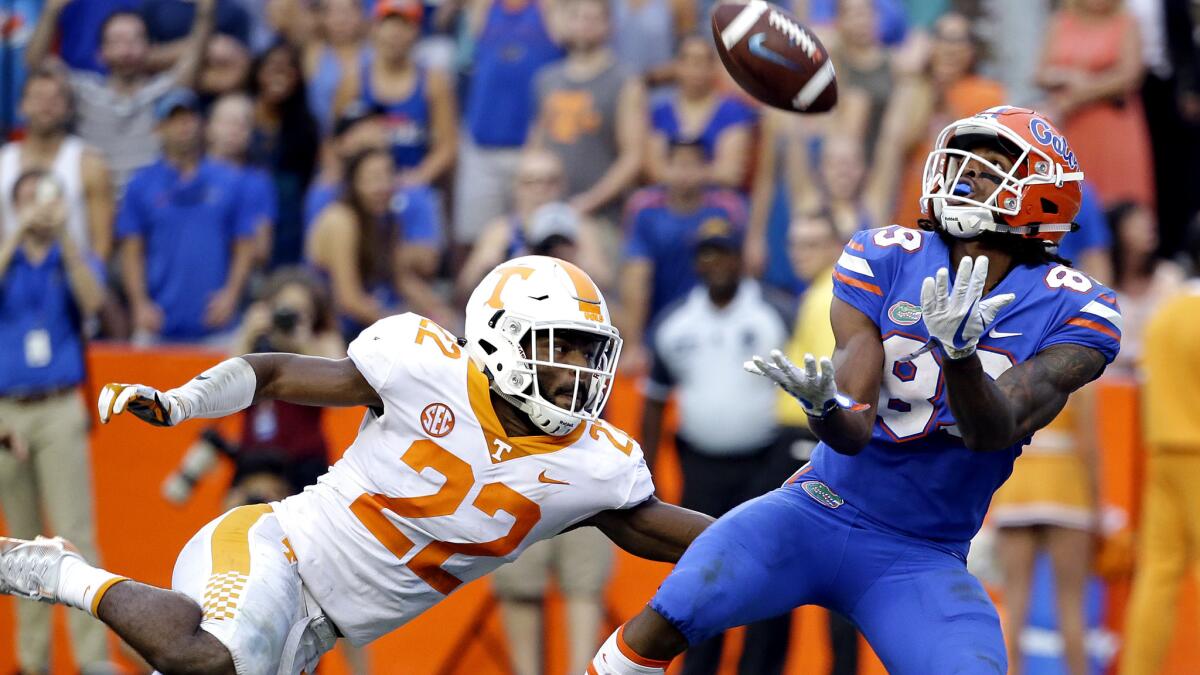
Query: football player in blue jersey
x=937, y=381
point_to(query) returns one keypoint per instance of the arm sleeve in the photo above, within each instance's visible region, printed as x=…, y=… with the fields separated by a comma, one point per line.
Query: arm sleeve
x=861, y=272
x=1095, y=324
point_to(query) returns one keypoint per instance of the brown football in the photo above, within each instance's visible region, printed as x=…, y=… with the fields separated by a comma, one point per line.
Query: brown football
x=774, y=57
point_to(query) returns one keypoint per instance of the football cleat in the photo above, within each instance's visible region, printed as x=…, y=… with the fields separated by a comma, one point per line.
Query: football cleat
x=29, y=569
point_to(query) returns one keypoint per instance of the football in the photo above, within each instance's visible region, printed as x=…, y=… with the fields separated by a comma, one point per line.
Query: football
x=774, y=57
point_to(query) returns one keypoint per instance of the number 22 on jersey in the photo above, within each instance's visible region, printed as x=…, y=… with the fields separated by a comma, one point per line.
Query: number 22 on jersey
x=459, y=479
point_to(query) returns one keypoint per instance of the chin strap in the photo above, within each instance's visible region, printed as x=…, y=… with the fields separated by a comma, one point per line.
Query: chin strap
x=550, y=422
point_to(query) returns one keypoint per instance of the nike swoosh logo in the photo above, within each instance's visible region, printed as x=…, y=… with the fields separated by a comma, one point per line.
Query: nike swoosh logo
x=542, y=477
x=997, y=334
x=760, y=50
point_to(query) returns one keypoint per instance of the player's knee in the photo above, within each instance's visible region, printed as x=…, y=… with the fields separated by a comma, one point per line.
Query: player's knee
x=201, y=655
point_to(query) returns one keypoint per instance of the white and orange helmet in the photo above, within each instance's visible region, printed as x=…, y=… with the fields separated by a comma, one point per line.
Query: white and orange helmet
x=522, y=299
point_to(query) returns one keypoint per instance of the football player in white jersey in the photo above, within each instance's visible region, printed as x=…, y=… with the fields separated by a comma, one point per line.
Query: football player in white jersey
x=470, y=451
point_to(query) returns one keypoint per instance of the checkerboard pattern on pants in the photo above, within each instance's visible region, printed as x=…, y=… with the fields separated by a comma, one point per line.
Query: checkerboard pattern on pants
x=222, y=593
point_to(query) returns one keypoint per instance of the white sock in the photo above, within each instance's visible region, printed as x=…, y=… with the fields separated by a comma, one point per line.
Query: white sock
x=616, y=658
x=82, y=586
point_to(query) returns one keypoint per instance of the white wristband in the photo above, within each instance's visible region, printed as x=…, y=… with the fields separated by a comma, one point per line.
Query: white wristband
x=221, y=390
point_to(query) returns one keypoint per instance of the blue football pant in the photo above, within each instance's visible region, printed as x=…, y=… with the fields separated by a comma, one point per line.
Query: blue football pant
x=913, y=600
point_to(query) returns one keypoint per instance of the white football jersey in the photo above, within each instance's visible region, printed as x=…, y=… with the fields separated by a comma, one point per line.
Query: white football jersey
x=433, y=494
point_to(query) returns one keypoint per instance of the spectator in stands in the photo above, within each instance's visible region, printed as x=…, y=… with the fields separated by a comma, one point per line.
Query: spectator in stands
x=284, y=142
x=581, y=560
x=331, y=60
x=1051, y=504
x=1092, y=96
x=540, y=182
x=592, y=113
x=418, y=103
x=83, y=21
x=376, y=261
x=115, y=112
x=294, y=315
x=187, y=235
x=48, y=285
x=946, y=88
x=513, y=40
x=230, y=124
x=226, y=69
x=654, y=275
x=1169, y=536
x=167, y=23
x=697, y=111
x=646, y=33
x=12, y=60
x=81, y=171
x=728, y=443
x=360, y=127
x=864, y=69
x=814, y=245
x=1142, y=280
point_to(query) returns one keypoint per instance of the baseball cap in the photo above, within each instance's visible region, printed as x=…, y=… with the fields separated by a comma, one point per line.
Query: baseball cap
x=719, y=232
x=176, y=99
x=412, y=10
x=549, y=220
x=357, y=111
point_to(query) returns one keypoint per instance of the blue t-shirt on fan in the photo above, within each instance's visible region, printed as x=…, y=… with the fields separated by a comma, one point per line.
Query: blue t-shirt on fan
x=189, y=225
x=40, y=328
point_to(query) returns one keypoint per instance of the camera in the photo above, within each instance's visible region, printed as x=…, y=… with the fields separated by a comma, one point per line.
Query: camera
x=285, y=319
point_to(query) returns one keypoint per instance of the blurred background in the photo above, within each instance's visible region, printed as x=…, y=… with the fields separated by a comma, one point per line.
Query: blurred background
x=186, y=179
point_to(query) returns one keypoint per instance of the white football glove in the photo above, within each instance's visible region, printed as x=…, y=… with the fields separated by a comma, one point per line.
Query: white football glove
x=956, y=318
x=813, y=387
x=146, y=403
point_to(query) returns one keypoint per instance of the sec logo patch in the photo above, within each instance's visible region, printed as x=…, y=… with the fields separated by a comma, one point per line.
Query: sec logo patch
x=437, y=419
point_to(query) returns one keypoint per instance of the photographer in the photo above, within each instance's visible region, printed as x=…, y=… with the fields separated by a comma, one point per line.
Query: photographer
x=49, y=284
x=282, y=447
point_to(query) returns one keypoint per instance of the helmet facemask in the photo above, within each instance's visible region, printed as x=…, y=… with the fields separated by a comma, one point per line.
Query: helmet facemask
x=534, y=348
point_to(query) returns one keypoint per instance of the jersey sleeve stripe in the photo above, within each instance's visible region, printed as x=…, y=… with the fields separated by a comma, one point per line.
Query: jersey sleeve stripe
x=854, y=263
x=851, y=281
x=1104, y=312
x=1098, y=327
x=855, y=246
x=1108, y=298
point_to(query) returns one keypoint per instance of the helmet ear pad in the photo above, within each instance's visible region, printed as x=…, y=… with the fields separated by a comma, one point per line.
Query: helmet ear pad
x=495, y=353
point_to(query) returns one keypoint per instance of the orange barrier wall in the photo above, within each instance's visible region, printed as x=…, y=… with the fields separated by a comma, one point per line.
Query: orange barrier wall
x=140, y=535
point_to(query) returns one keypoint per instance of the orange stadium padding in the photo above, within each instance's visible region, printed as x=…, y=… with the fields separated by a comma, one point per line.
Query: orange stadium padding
x=140, y=534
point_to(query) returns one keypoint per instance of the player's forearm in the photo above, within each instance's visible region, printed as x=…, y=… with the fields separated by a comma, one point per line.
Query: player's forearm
x=846, y=431
x=983, y=413
x=653, y=530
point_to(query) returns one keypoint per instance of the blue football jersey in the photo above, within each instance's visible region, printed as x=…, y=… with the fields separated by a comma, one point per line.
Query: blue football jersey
x=916, y=475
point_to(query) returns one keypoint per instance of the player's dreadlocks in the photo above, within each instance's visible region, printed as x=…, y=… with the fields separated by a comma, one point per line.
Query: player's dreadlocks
x=1025, y=251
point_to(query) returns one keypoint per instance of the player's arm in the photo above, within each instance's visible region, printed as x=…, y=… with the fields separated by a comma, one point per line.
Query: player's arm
x=996, y=414
x=830, y=392
x=236, y=383
x=654, y=530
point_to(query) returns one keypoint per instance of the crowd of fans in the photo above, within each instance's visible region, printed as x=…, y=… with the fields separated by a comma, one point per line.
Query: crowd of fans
x=174, y=167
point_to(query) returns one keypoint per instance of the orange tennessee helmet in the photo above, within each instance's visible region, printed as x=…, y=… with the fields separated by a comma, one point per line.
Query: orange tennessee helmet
x=1037, y=198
